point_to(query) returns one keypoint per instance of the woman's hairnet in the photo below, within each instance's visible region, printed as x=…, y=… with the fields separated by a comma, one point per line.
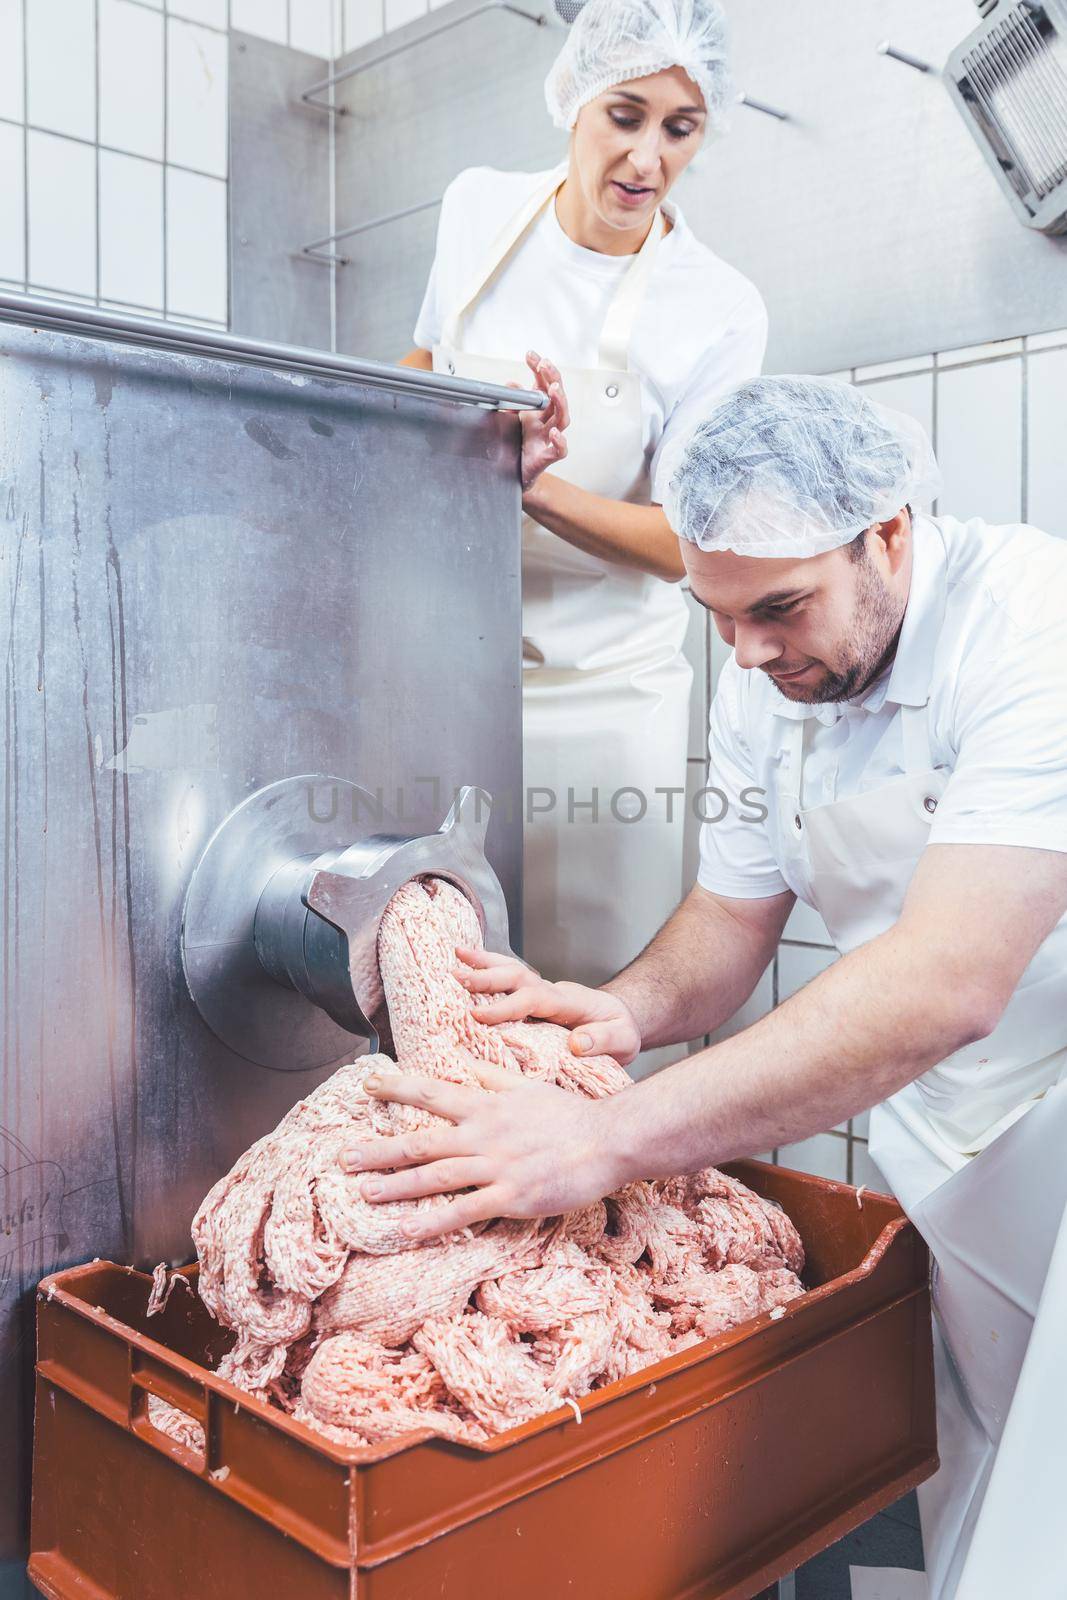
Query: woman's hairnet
x=793, y=467
x=614, y=41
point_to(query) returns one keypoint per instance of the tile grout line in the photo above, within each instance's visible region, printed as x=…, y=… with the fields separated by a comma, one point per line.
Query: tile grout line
x=229, y=161
x=167, y=10
x=166, y=174
x=1024, y=437
x=114, y=149
x=96, y=142
x=337, y=16
x=944, y=365
x=935, y=422
x=24, y=14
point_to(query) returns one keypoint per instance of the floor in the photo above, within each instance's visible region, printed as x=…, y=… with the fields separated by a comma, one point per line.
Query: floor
x=891, y=1539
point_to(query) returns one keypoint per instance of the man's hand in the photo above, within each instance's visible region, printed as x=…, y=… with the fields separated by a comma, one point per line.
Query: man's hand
x=525, y=1150
x=543, y=443
x=601, y=1024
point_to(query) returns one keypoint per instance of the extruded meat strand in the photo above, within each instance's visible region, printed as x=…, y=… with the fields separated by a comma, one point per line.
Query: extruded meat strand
x=365, y=1335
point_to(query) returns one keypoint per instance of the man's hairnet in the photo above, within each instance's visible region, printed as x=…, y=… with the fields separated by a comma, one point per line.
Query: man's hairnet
x=793, y=467
x=614, y=41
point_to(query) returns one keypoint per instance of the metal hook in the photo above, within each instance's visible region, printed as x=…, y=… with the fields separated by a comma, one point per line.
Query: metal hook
x=887, y=49
x=761, y=105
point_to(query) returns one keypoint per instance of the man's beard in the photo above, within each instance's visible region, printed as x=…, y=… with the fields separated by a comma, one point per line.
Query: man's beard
x=877, y=620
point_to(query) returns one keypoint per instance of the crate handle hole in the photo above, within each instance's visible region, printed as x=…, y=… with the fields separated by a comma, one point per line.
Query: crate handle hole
x=164, y=1419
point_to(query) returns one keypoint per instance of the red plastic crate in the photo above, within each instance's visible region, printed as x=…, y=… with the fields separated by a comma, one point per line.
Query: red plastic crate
x=708, y=1475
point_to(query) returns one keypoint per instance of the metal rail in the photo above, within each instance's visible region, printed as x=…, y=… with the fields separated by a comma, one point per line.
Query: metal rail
x=330, y=258
x=32, y=312
x=309, y=97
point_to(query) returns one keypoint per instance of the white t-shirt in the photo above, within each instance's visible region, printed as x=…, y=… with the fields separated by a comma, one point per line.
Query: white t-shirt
x=701, y=329
x=985, y=638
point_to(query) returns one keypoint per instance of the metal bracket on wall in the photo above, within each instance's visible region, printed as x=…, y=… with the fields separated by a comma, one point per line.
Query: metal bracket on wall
x=753, y=104
x=330, y=258
x=315, y=251
x=904, y=56
x=310, y=96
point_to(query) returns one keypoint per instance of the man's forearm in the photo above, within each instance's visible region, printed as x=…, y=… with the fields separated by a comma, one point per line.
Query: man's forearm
x=859, y=1032
x=700, y=967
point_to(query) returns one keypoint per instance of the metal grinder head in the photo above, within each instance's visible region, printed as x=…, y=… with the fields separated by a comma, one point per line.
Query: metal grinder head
x=280, y=929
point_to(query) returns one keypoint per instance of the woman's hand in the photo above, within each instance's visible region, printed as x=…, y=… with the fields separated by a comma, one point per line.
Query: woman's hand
x=601, y=1024
x=527, y=1149
x=543, y=443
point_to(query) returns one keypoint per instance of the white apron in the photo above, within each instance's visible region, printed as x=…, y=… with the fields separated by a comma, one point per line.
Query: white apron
x=605, y=685
x=985, y=1182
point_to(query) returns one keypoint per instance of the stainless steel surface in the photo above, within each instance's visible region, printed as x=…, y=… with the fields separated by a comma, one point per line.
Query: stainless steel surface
x=247, y=1009
x=212, y=576
x=903, y=56
x=316, y=252
x=60, y=317
x=899, y=240
x=279, y=192
x=1009, y=81
x=410, y=41
x=280, y=927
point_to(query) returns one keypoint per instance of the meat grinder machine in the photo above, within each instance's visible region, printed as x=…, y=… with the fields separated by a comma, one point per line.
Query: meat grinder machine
x=261, y=633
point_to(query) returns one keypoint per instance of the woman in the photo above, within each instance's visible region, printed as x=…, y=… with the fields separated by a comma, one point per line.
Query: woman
x=590, y=263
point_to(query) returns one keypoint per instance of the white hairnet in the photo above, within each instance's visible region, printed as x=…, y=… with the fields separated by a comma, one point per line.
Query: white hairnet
x=793, y=467
x=614, y=41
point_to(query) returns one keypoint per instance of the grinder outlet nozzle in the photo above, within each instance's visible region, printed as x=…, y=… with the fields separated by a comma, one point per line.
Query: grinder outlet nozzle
x=280, y=932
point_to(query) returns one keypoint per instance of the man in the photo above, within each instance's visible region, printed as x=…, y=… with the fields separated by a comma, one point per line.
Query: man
x=899, y=691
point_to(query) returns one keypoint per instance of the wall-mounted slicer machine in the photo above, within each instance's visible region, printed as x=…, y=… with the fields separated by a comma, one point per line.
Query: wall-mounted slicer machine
x=1009, y=81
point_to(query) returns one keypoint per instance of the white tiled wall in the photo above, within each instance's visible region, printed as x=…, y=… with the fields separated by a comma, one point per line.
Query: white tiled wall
x=1046, y=438
x=113, y=153
x=114, y=136
x=131, y=230
x=365, y=20
x=997, y=417
x=131, y=75
x=980, y=439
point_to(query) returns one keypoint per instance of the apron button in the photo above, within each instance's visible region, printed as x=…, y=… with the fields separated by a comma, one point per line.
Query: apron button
x=796, y=819
x=612, y=391
x=930, y=804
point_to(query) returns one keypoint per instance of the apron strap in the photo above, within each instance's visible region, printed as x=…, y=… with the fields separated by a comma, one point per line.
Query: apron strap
x=615, y=335
x=614, y=350
x=915, y=731
x=501, y=248
x=790, y=786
